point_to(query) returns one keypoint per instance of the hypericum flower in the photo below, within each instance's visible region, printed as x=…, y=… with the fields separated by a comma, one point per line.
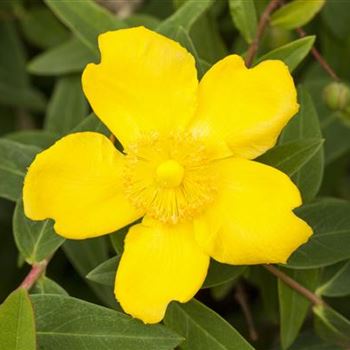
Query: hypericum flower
x=186, y=168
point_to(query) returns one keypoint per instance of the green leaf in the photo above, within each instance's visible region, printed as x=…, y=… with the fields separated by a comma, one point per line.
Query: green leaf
x=14, y=160
x=203, y=328
x=306, y=125
x=39, y=138
x=36, y=240
x=296, y=13
x=67, y=107
x=185, y=17
x=338, y=285
x=17, y=331
x=243, y=14
x=332, y=326
x=92, y=123
x=330, y=242
x=86, y=19
x=45, y=285
x=39, y=20
x=309, y=341
x=105, y=272
x=67, y=323
x=293, y=306
x=292, y=156
x=292, y=53
x=70, y=57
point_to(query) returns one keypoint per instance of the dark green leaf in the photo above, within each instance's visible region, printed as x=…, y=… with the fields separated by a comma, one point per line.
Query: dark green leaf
x=86, y=19
x=203, y=328
x=17, y=331
x=306, y=125
x=332, y=326
x=67, y=107
x=330, y=242
x=309, y=341
x=70, y=57
x=292, y=53
x=296, y=13
x=292, y=156
x=92, y=123
x=39, y=138
x=36, y=240
x=70, y=324
x=14, y=160
x=293, y=306
x=105, y=272
x=47, y=286
x=244, y=17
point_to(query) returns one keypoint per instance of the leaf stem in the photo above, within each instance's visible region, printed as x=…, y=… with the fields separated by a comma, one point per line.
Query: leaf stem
x=312, y=297
x=264, y=19
x=34, y=274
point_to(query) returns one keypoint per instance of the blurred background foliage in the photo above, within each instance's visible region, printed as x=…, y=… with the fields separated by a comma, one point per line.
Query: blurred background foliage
x=44, y=47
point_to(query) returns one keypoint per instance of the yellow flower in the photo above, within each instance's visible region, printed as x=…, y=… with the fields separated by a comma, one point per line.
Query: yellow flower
x=186, y=168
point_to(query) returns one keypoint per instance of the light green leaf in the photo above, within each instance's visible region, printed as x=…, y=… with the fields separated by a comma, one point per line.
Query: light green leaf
x=36, y=240
x=292, y=53
x=45, y=285
x=292, y=156
x=70, y=324
x=330, y=242
x=296, y=13
x=293, y=306
x=39, y=20
x=14, y=160
x=306, y=125
x=185, y=17
x=86, y=19
x=17, y=331
x=67, y=107
x=332, y=326
x=338, y=285
x=244, y=16
x=39, y=138
x=70, y=57
x=203, y=328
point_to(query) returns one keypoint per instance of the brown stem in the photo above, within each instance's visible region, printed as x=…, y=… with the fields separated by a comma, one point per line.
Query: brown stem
x=323, y=63
x=112, y=138
x=264, y=19
x=312, y=297
x=34, y=274
x=241, y=298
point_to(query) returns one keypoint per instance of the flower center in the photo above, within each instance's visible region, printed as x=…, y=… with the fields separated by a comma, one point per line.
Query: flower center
x=170, y=177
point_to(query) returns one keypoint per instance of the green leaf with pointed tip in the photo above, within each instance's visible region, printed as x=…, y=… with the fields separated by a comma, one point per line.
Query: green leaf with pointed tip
x=70, y=57
x=36, y=240
x=105, y=272
x=92, y=123
x=45, y=285
x=185, y=17
x=17, y=331
x=330, y=242
x=293, y=306
x=67, y=323
x=306, y=125
x=244, y=17
x=332, y=326
x=67, y=107
x=86, y=19
x=292, y=54
x=292, y=156
x=14, y=160
x=296, y=13
x=203, y=328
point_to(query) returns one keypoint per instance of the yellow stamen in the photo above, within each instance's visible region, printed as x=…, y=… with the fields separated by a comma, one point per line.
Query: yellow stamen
x=170, y=174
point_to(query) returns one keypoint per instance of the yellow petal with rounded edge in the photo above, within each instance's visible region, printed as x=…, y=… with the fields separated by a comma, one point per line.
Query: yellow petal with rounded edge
x=144, y=82
x=160, y=263
x=78, y=183
x=252, y=221
x=246, y=108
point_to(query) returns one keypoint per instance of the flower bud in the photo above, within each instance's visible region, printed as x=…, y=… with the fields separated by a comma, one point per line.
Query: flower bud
x=337, y=96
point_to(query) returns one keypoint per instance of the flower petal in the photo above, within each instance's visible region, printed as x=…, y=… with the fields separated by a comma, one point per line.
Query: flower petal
x=252, y=221
x=160, y=263
x=144, y=82
x=77, y=182
x=246, y=108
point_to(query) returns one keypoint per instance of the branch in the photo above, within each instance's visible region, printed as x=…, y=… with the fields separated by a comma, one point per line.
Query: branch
x=323, y=63
x=34, y=274
x=264, y=19
x=312, y=297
